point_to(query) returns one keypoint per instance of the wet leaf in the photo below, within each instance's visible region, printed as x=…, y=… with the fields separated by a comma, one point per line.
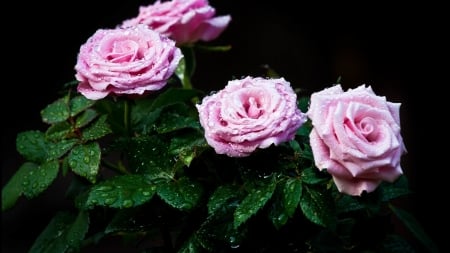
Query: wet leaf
x=84, y=160
x=123, y=191
x=183, y=194
x=39, y=179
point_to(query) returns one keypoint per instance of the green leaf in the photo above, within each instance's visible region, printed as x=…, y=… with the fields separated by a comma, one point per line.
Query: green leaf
x=346, y=203
x=55, y=112
x=58, y=149
x=305, y=129
x=84, y=160
x=172, y=121
x=127, y=220
x=394, y=190
x=121, y=192
x=115, y=111
x=183, y=194
x=14, y=188
x=292, y=193
x=191, y=246
x=172, y=96
x=64, y=233
x=188, y=146
x=39, y=179
x=303, y=103
x=277, y=212
x=52, y=238
x=85, y=118
x=416, y=229
x=313, y=176
x=148, y=155
x=220, y=196
x=77, y=231
x=254, y=201
x=32, y=145
x=79, y=104
x=317, y=206
x=58, y=131
x=218, y=228
x=97, y=130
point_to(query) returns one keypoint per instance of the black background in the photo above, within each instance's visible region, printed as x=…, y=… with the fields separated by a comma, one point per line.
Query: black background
x=395, y=49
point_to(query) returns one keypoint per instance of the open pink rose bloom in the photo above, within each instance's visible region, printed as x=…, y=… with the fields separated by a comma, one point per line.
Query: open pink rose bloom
x=248, y=114
x=185, y=21
x=356, y=137
x=131, y=61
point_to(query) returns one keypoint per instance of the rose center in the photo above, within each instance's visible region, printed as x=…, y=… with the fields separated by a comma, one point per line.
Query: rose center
x=123, y=51
x=367, y=127
x=252, y=108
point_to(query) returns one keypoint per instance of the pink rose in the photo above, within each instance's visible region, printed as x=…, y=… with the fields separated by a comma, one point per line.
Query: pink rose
x=250, y=113
x=356, y=137
x=130, y=61
x=185, y=21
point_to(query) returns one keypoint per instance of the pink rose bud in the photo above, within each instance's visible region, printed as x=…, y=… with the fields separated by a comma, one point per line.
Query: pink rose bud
x=356, y=138
x=250, y=113
x=185, y=21
x=131, y=61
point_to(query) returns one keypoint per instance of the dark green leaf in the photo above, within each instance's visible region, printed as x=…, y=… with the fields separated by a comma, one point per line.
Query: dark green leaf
x=127, y=220
x=142, y=117
x=55, y=112
x=52, y=240
x=39, y=179
x=292, y=193
x=84, y=160
x=58, y=149
x=254, y=201
x=218, y=228
x=121, y=192
x=305, y=129
x=97, y=130
x=277, y=212
x=172, y=96
x=394, y=190
x=416, y=229
x=313, y=176
x=303, y=103
x=79, y=104
x=115, y=111
x=191, y=246
x=64, y=232
x=148, y=155
x=58, y=131
x=346, y=203
x=172, y=121
x=85, y=118
x=32, y=145
x=76, y=232
x=183, y=194
x=14, y=188
x=187, y=146
x=221, y=195
x=317, y=206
